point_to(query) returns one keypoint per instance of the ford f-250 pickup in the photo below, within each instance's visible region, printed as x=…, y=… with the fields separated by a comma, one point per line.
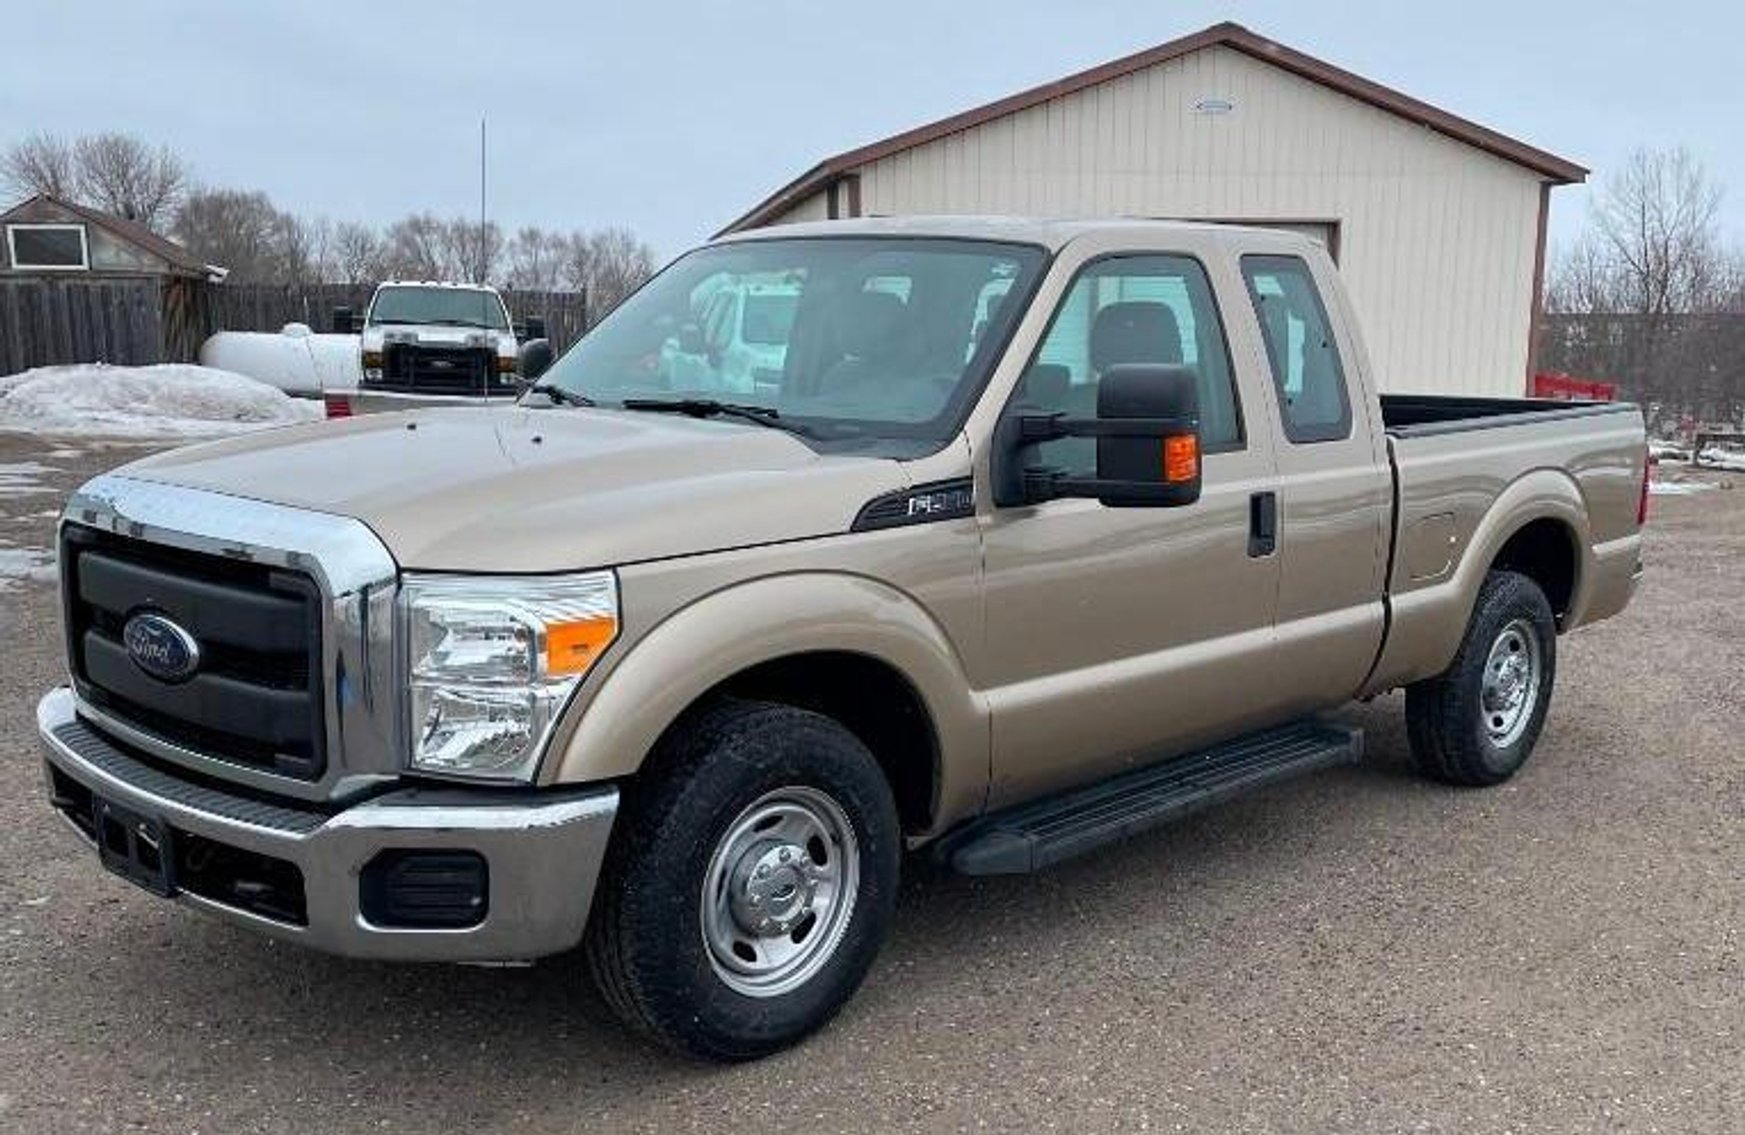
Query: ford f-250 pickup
x=1042, y=534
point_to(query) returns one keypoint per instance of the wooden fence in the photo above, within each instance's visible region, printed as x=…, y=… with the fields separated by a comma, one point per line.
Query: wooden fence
x=136, y=321
x=49, y=322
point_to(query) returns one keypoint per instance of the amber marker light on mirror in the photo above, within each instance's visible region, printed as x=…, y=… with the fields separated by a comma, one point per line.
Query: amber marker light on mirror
x=1181, y=458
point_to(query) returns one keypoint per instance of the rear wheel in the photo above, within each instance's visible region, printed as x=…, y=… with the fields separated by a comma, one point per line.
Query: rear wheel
x=750, y=882
x=1476, y=723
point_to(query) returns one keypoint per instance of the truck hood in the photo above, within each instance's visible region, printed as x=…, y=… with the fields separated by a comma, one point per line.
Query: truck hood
x=533, y=490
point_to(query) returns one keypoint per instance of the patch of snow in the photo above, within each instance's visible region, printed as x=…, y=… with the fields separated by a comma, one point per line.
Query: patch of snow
x=1679, y=488
x=167, y=401
x=20, y=479
x=1715, y=457
x=36, y=565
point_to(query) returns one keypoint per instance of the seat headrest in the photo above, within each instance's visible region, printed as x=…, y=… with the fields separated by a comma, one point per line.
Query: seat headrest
x=870, y=324
x=1135, y=331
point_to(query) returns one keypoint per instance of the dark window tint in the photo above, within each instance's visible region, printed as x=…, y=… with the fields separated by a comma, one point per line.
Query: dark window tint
x=1133, y=309
x=58, y=247
x=1300, y=348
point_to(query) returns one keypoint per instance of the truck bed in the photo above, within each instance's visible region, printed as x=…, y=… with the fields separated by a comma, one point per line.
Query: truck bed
x=1424, y=415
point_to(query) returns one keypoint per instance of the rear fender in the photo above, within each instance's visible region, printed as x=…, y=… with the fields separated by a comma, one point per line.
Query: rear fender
x=1428, y=622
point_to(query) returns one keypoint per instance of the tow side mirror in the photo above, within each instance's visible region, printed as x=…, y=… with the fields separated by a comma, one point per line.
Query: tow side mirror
x=344, y=322
x=534, y=359
x=1147, y=431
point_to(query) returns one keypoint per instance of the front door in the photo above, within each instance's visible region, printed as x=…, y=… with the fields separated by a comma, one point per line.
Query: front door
x=1112, y=629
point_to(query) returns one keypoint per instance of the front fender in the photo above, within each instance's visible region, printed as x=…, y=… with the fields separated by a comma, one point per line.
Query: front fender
x=712, y=639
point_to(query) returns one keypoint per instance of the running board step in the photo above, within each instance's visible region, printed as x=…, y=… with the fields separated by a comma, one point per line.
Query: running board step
x=1040, y=834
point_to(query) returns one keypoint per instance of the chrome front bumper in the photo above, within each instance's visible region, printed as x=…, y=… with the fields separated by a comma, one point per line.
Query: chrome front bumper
x=542, y=850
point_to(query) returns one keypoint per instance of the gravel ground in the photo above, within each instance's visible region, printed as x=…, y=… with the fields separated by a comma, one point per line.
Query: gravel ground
x=1359, y=951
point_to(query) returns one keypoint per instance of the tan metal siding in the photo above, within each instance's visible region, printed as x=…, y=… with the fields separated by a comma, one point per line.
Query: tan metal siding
x=1436, y=238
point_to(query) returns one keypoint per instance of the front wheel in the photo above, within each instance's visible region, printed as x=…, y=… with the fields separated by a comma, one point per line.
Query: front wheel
x=750, y=882
x=1476, y=723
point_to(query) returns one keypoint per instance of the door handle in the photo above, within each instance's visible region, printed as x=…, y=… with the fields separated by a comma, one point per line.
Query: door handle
x=1262, y=524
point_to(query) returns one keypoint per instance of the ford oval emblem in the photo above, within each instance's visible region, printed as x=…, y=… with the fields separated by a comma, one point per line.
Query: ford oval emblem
x=161, y=647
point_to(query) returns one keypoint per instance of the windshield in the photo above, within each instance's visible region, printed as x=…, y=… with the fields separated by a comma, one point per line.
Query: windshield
x=769, y=317
x=856, y=338
x=456, y=307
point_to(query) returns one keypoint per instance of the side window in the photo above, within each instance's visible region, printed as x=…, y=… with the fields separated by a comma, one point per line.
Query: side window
x=1300, y=348
x=1133, y=309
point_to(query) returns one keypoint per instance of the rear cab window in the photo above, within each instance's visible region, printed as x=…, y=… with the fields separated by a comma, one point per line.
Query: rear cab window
x=1300, y=348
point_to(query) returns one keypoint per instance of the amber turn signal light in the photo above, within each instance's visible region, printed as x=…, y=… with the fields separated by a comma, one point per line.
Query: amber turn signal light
x=572, y=647
x=1181, y=458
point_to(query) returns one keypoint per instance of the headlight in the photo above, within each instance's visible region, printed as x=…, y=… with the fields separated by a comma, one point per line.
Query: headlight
x=491, y=662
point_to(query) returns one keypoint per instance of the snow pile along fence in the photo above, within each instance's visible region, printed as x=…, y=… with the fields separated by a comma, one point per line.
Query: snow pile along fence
x=169, y=401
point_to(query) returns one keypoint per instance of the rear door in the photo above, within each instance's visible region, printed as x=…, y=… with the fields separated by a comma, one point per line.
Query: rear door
x=1116, y=634
x=1335, y=492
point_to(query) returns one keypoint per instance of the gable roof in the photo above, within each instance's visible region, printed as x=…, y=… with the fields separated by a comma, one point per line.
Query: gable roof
x=1556, y=170
x=132, y=232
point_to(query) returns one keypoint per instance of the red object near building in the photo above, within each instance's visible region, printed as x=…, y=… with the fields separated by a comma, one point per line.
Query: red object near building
x=1568, y=388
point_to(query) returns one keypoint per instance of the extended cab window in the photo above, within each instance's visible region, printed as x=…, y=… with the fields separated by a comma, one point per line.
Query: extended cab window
x=1132, y=309
x=1300, y=348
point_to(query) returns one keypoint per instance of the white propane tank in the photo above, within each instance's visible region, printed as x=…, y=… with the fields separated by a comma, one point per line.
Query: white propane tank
x=296, y=360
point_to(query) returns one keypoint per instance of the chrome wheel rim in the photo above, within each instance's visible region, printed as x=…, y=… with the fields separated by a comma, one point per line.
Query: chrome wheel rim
x=1512, y=673
x=779, y=891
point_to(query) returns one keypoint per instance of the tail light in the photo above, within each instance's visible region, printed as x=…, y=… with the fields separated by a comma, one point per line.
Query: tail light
x=338, y=405
x=1642, y=501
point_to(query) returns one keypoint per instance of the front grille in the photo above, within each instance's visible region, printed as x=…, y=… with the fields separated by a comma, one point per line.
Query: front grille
x=412, y=369
x=255, y=698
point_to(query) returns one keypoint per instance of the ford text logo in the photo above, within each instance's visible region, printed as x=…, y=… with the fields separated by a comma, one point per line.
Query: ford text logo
x=160, y=647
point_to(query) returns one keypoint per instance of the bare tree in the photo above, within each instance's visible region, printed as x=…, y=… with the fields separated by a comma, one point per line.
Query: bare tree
x=357, y=254
x=1641, y=291
x=535, y=260
x=415, y=248
x=608, y=265
x=42, y=163
x=244, y=233
x=471, y=253
x=120, y=174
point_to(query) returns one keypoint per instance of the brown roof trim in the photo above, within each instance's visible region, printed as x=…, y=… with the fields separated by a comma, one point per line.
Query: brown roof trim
x=1557, y=170
x=133, y=232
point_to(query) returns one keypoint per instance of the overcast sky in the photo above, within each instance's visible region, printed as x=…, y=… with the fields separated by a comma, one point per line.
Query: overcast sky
x=672, y=117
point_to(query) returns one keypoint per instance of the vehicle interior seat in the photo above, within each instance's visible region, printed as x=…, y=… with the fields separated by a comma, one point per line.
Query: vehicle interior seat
x=869, y=339
x=1126, y=331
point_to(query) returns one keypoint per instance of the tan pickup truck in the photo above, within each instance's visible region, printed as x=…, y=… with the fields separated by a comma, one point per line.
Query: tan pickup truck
x=1022, y=537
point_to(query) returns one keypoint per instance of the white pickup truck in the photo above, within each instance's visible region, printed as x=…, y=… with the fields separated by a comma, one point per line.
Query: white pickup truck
x=427, y=342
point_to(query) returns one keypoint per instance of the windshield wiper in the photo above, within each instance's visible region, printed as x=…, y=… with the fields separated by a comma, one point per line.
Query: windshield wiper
x=710, y=408
x=558, y=394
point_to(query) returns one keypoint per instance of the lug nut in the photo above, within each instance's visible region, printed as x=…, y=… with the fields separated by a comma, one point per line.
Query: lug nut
x=786, y=855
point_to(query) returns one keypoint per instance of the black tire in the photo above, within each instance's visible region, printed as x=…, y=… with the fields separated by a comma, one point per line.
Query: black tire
x=646, y=946
x=1454, y=735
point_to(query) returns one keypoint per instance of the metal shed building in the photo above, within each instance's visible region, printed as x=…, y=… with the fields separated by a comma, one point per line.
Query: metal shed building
x=1437, y=223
